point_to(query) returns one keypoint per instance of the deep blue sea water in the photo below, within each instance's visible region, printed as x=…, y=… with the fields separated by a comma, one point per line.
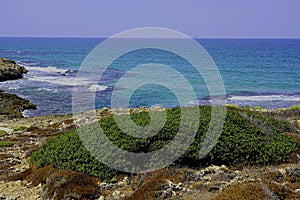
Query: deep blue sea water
x=262, y=72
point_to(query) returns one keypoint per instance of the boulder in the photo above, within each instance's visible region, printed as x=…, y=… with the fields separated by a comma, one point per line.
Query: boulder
x=9, y=70
x=11, y=106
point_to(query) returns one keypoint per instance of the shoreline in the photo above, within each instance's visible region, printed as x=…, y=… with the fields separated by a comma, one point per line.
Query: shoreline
x=93, y=115
x=58, y=89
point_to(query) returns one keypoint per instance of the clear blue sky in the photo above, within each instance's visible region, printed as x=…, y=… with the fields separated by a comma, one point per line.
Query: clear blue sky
x=202, y=18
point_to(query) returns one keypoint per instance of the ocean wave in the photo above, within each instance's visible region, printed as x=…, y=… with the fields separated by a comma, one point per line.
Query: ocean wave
x=49, y=69
x=48, y=89
x=15, y=87
x=272, y=97
x=27, y=64
x=25, y=113
x=96, y=88
x=68, y=81
x=71, y=71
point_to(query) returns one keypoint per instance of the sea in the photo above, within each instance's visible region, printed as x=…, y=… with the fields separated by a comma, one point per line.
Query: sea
x=255, y=72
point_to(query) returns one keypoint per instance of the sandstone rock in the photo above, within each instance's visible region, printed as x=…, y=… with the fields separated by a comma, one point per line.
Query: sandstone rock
x=9, y=70
x=126, y=180
x=101, y=198
x=116, y=193
x=104, y=112
x=123, y=182
x=7, y=130
x=293, y=172
x=224, y=168
x=171, y=189
x=157, y=108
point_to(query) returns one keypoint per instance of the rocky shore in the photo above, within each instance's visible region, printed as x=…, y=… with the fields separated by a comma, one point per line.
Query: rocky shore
x=11, y=105
x=9, y=70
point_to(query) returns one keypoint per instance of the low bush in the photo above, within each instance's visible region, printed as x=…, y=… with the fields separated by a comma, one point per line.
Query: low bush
x=294, y=107
x=20, y=128
x=248, y=137
x=7, y=143
x=2, y=133
x=67, y=152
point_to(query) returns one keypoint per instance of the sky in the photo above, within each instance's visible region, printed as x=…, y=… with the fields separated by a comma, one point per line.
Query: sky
x=196, y=18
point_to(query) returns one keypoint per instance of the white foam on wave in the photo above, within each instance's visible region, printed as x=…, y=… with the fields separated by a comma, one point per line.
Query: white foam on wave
x=68, y=81
x=49, y=69
x=275, y=97
x=28, y=64
x=25, y=113
x=15, y=87
x=48, y=89
x=95, y=88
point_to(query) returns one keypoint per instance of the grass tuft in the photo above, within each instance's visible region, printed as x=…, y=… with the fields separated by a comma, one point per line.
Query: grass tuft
x=2, y=133
x=20, y=128
x=7, y=143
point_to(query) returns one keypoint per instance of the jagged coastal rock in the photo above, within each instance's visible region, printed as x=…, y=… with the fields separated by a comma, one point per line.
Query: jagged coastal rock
x=9, y=70
x=11, y=106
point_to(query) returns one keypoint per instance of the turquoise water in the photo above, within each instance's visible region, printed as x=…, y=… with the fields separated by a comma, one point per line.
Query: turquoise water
x=264, y=72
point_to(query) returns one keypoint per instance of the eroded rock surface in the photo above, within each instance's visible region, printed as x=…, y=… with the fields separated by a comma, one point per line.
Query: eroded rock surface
x=11, y=106
x=9, y=70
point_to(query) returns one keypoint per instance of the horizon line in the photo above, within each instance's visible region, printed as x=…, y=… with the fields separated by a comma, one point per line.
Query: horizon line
x=104, y=37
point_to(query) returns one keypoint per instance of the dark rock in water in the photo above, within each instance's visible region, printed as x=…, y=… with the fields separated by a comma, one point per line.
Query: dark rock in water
x=9, y=70
x=11, y=106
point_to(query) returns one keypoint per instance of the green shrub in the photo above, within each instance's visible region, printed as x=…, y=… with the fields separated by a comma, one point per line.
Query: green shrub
x=248, y=137
x=67, y=152
x=294, y=107
x=2, y=133
x=7, y=143
x=20, y=128
x=257, y=108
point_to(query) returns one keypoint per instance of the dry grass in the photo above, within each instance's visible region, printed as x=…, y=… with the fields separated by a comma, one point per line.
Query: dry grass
x=66, y=184
x=60, y=184
x=246, y=190
x=150, y=182
x=268, y=182
x=282, y=186
x=40, y=175
x=5, y=156
x=20, y=176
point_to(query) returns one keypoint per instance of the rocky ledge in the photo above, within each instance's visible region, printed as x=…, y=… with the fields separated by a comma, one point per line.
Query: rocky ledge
x=9, y=70
x=11, y=106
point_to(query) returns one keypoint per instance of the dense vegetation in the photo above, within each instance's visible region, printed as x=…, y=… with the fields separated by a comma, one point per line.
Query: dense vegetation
x=248, y=137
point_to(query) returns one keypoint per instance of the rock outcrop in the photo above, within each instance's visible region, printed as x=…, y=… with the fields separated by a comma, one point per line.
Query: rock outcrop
x=11, y=106
x=9, y=70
